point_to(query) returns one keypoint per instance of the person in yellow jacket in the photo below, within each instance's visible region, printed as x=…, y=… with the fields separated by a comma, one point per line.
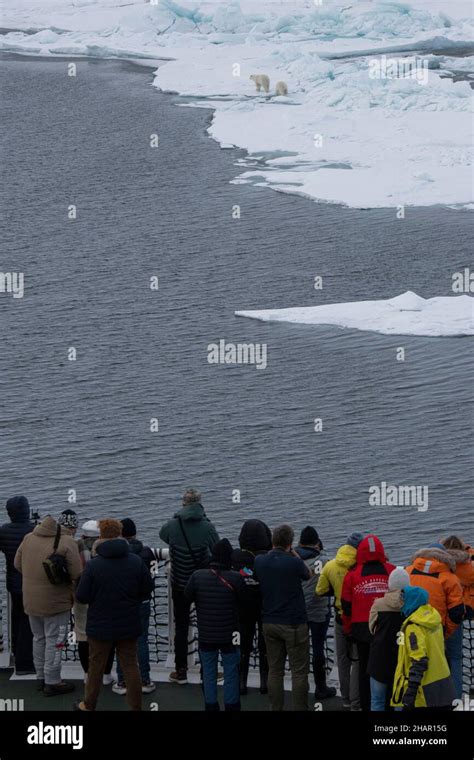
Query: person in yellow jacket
x=422, y=677
x=330, y=584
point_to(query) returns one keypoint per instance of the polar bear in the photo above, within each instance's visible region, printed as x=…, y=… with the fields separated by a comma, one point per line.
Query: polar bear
x=261, y=80
x=281, y=88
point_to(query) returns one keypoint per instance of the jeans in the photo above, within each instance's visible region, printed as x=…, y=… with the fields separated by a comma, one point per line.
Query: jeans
x=143, y=649
x=453, y=647
x=99, y=651
x=49, y=637
x=22, y=637
x=181, y=626
x=348, y=667
x=378, y=695
x=231, y=660
x=291, y=640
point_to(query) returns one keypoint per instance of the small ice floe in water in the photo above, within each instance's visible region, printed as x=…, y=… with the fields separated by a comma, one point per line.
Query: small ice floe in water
x=407, y=314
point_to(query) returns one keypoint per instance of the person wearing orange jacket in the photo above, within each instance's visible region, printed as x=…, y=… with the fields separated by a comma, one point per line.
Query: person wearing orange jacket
x=463, y=556
x=434, y=569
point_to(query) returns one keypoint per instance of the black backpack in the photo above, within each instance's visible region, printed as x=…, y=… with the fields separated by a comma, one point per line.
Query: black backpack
x=55, y=566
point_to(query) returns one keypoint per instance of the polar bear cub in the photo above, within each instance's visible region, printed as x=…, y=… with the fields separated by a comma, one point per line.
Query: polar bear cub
x=281, y=88
x=261, y=80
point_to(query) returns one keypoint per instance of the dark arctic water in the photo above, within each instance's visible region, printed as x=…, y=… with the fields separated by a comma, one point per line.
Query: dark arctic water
x=142, y=354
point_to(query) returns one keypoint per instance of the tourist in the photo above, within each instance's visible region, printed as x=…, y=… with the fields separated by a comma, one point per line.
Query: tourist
x=462, y=555
x=129, y=532
x=48, y=605
x=89, y=534
x=11, y=536
x=114, y=584
x=190, y=536
x=330, y=584
x=216, y=591
x=318, y=609
x=364, y=583
x=285, y=627
x=385, y=621
x=255, y=538
x=422, y=677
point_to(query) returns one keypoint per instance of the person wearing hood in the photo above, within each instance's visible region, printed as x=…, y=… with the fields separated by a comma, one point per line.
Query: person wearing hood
x=462, y=556
x=216, y=592
x=11, y=536
x=434, y=569
x=114, y=584
x=129, y=532
x=330, y=584
x=365, y=583
x=385, y=621
x=255, y=538
x=318, y=609
x=89, y=534
x=422, y=677
x=190, y=536
x=48, y=606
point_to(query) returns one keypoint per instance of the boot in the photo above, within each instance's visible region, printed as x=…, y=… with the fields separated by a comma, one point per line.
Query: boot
x=323, y=691
x=244, y=672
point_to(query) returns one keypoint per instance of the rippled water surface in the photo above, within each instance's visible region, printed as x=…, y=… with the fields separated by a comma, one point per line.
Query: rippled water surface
x=142, y=354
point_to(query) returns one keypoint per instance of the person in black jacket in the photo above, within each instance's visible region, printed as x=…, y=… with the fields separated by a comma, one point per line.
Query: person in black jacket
x=255, y=538
x=114, y=584
x=11, y=536
x=216, y=592
x=129, y=531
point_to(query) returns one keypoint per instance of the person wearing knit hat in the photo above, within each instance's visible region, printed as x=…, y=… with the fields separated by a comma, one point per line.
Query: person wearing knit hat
x=216, y=592
x=129, y=533
x=385, y=621
x=68, y=519
x=330, y=584
x=89, y=533
x=318, y=610
x=398, y=579
x=129, y=529
x=354, y=540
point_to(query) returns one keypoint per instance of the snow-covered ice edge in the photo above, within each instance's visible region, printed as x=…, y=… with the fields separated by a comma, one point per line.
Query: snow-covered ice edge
x=340, y=136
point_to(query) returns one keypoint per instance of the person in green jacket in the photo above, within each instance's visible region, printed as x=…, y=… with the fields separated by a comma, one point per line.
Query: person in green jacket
x=190, y=536
x=422, y=678
x=330, y=584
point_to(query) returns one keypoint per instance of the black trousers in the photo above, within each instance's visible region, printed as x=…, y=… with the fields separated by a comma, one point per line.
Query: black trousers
x=181, y=623
x=22, y=638
x=363, y=651
x=250, y=619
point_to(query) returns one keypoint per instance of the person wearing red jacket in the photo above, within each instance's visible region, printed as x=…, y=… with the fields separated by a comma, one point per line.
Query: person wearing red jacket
x=363, y=584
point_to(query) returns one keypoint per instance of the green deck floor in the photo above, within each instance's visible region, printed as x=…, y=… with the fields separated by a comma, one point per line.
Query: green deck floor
x=167, y=696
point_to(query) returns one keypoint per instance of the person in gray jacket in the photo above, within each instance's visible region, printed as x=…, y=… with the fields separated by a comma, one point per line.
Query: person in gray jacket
x=318, y=610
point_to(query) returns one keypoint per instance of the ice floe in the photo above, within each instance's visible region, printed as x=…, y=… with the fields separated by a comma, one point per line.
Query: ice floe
x=406, y=314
